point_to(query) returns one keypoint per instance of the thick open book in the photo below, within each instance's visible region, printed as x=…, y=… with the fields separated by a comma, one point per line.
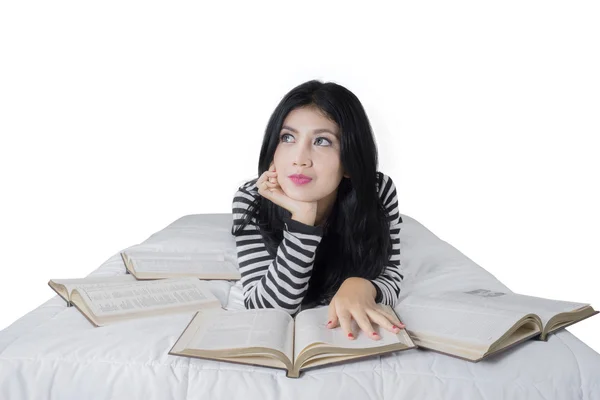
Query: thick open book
x=475, y=324
x=144, y=264
x=121, y=299
x=270, y=337
x=64, y=287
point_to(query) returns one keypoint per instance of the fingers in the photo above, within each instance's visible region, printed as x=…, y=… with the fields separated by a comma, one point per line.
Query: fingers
x=267, y=182
x=332, y=316
x=363, y=322
x=393, y=318
x=269, y=176
x=385, y=321
x=272, y=177
x=344, y=318
x=262, y=185
x=271, y=185
x=272, y=182
x=345, y=322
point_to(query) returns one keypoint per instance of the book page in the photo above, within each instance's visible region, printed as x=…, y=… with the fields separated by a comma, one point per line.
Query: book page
x=125, y=298
x=93, y=282
x=523, y=304
x=185, y=266
x=269, y=327
x=213, y=255
x=455, y=321
x=311, y=327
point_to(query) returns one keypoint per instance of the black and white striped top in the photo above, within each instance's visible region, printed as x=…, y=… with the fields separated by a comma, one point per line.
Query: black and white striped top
x=282, y=281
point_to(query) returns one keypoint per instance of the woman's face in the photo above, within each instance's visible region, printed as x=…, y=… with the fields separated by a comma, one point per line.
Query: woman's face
x=309, y=144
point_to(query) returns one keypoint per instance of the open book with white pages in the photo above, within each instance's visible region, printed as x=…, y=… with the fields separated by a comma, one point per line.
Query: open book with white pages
x=145, y=264
x=474, y=324
x=64, y=287
x=108, y=300
x=270, y=337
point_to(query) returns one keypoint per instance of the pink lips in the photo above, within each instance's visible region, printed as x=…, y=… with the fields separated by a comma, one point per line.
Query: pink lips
x=299, y=179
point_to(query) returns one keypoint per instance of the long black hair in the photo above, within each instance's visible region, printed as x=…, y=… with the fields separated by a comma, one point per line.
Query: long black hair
x=356, y=238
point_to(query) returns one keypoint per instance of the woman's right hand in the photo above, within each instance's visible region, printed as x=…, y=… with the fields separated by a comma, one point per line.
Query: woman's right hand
x=269, y=188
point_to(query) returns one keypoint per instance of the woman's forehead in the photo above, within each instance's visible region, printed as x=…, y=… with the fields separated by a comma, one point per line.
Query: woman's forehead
x=308, y=120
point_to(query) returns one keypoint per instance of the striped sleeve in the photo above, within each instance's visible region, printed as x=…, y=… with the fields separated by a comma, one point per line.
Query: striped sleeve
x=267, y=281
x=389, y=282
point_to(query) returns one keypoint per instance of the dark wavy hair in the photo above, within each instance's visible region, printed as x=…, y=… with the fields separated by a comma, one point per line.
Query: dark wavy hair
x=356, y=239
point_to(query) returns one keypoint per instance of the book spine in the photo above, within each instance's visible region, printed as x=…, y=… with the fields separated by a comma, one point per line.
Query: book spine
x=292, y=374
x=124, y=263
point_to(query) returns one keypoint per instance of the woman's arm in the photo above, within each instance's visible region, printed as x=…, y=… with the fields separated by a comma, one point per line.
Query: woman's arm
x=388, y=284
x=274, y=282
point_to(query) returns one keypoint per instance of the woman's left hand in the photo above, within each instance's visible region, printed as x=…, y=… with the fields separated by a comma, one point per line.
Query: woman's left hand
x=356, y=299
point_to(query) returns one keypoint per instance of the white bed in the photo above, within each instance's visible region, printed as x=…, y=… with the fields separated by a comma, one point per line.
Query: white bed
x=53, y=352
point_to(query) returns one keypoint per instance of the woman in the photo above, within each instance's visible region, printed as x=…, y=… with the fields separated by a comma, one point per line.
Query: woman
x=320, y=225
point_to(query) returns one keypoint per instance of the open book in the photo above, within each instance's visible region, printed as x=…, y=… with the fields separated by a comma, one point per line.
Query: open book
x=107, y=302
x=145, y=264
x=64, y=287
x=270, y=337
x=475, y=324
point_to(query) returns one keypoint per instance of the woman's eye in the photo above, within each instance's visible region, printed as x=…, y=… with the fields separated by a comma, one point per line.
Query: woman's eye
x=282, y=138
x=324, y=139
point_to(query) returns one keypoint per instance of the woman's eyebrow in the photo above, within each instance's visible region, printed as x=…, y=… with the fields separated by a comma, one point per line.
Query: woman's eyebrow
x=322, y=130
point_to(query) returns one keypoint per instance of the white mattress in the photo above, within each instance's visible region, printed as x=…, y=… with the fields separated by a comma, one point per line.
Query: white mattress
x=53, y=352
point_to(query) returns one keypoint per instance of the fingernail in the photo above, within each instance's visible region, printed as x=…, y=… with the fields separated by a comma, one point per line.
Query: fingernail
x=374, y=333
x=350, y=335
x=328, y=322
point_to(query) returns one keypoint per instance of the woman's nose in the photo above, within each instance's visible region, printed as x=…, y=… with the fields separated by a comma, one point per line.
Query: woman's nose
x=302, y=156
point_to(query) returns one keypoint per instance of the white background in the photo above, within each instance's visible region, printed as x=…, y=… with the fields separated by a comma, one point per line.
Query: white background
x=117, y=118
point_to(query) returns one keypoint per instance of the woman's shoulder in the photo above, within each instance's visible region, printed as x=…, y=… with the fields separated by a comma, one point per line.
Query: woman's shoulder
x=388, y=195
x=249, y=187
x=245, y=195
x=384, y=184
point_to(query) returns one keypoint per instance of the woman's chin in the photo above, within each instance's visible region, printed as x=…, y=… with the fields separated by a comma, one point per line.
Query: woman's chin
x=294, y=195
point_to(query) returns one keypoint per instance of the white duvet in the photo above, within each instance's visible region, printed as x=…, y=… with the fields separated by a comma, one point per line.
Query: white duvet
x=53, y=352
